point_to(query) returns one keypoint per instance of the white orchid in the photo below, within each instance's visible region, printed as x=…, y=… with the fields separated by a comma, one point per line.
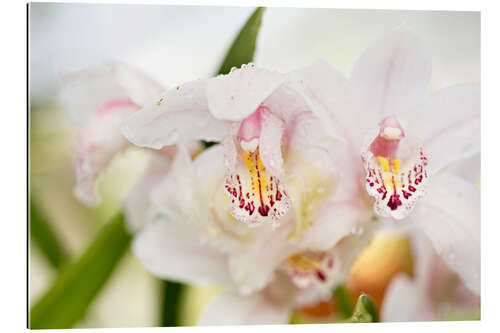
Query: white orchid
x=407, y=150
x=283, y=161
x=278, y=152
x=98, y=100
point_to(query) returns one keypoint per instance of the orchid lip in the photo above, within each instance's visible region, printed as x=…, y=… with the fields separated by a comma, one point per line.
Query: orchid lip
x=396, y=183
x=309, y=267
x=256, y=194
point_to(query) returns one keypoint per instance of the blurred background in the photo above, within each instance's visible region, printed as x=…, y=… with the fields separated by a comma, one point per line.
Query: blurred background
x=175, y=44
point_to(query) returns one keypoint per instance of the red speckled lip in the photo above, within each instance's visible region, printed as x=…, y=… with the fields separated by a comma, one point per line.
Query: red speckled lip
x=395, y=189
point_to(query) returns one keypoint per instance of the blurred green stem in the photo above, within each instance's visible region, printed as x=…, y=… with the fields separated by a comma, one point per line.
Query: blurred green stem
x=170, y=314
x=342, y=301
x=43, y=236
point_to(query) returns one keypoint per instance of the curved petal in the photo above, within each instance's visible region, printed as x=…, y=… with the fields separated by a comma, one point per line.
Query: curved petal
x=270, y=144
x=327, y=94
x=238, y=94
x=449, y=125
x=84, y=92
x=193, y=192
x=138, y=204
x=468, y=169
x=140, y=88
x=337, y=220
x=403, y=300
x=96, y=145
x=450, y=217
x=392, y=75
x=255, y=264
x=172, y=250
x=180, y=114
x=233, y=309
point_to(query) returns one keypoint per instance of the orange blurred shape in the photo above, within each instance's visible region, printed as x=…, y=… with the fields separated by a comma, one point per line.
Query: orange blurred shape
x=386, y=256
x=320, y=309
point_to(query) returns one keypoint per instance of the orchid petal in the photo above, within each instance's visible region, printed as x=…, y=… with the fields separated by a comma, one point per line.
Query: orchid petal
x=180, y=114
x=327, y=94
x=270, y=144
x=336, y=220
x=193, y=192
x=450, y=217
x=85, y=92
x=137, y=205
x=449, y=125
x=172, y=250
x=403, y=300
x=140, y=88
x=392, y=75
x=233, y=309
x=254, y=267
x=96, y=145
x=238, y=94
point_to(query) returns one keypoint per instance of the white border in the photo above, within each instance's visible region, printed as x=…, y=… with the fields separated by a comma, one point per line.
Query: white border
x=13, y=144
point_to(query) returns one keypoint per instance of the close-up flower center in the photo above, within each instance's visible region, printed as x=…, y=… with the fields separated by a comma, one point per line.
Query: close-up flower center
x=255, y=194
x=395, y=177
x=307, y=267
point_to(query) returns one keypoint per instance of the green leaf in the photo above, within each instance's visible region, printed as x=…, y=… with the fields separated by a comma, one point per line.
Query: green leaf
x=342, y=300
x=45, y=239
x=243, y=48
x=67, y=301
x=364, y=311
x=170, y=313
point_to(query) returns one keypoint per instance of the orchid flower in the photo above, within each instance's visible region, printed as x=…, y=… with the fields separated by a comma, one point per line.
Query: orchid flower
x=98, y=100
x=277, y=168
x=268, y=271
x=406, y=150
x=267, y=128
x=283, y=167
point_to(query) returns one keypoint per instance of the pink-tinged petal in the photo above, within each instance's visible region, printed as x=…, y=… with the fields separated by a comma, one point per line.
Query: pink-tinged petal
x=140, y=88
x=181, y=114
x=392, y=75
x=327, y=94
x=449, y=125
x=96, y=145
x=138, y=206
x=238, y=94
x=450, y=217
x=172, y=249
x=85, y=92
x=404, y=301
x=270, y=143
x=232, y=309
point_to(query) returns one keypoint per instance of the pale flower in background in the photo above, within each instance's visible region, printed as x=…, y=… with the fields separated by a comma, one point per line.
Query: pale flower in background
x=98, y=100
x=434, y=292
